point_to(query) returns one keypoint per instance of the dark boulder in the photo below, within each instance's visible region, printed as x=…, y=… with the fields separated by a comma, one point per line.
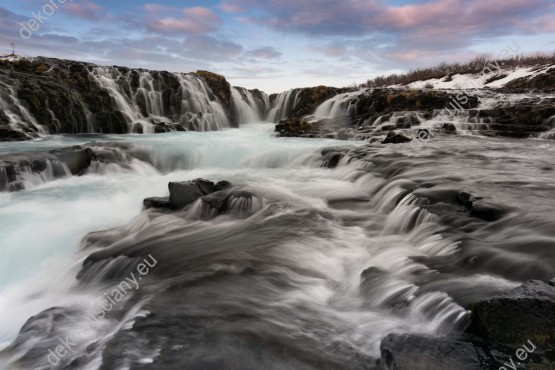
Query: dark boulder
x=396, y=138
x=185, y=193
x=480, y=209
x=487, y=211
x=513, y=318
x=422, y=352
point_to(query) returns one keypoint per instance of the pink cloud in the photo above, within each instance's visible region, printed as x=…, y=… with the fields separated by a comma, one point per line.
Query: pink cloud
x=230, y=8
x=414, y=15
x=158, y=8
x=87, y=10
x=196, y=21
x=546, y=23
x=332, y=51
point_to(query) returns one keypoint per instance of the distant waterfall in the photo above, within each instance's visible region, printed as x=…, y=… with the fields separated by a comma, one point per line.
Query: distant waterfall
x=198, y=112
x=247, y=107
x=336, y=107
x=19, y=118
x=147, y=98
x=283, y=105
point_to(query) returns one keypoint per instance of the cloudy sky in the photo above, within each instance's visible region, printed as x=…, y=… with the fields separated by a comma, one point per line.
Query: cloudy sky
x=275, y=45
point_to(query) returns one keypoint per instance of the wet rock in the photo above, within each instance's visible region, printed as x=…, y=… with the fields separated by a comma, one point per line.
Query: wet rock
x=59, y=163
x=7, y=134
x=76, y=159
x=388, y=127
x=221, y=89
x=344, y=135
x=396, y=138
x=423, y=134
x=525, y=313
x=216, y=201
x=331, y=159
x=7, y=175
x=310, y=98
x=541, y=81
x=185, y=193
x=480, y=209
x=421, y=352
x=156, y=202
x=294, y=126
x=487, y=211
x=448, y=128
x=466, y=199
x=222, y=185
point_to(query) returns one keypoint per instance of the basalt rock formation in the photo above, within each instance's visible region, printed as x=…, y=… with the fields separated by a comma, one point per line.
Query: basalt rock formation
x=50, y=96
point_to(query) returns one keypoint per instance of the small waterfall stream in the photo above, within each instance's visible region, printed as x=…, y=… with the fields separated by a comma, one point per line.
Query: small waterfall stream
x=283, y=105
x=18, y=115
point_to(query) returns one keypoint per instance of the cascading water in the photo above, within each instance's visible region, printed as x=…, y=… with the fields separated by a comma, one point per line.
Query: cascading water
x=336, y=107
x=310, y=266
x=188, y=101
x=283, y=104
x=18, y=116
x=198, y=111
x=247, y=108
x=112, y=80
x=549, y=135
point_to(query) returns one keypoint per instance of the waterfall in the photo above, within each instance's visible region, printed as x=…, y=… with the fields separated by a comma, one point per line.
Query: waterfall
x=549, y=135
x=19, y=118
x=144, y=104
x=336, y=107
x=198, y=112
x=115, y=82
x=247, y=107
x=283, y=105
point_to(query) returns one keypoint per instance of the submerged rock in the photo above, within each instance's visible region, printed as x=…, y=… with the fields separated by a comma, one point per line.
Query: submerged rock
x=48, y=165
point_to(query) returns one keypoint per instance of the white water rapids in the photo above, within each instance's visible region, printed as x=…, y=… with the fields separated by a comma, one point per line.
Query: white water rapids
x=296, y=259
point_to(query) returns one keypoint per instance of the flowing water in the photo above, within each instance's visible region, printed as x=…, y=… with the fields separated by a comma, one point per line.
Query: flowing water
x=309, y=267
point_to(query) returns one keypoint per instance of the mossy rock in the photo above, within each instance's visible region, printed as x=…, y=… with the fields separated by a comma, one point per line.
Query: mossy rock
x=294, y=126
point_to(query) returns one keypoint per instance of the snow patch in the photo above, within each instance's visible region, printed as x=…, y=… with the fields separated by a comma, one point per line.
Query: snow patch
x=479, y=81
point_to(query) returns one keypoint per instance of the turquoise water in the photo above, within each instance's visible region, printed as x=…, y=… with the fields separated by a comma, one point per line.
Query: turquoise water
x=43, y=227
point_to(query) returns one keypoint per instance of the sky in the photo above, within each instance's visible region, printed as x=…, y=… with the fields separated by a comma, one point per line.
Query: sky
x=276, y=45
